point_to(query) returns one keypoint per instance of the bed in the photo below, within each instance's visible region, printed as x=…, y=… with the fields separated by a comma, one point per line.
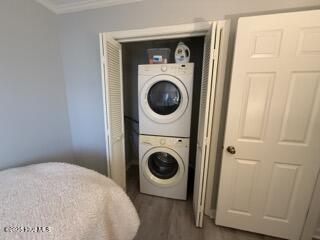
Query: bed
x=63, y=202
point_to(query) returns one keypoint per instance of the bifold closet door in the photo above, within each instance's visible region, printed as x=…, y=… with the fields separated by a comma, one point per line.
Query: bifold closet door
x=113, y=108
x=209, y=75
x=272, y=138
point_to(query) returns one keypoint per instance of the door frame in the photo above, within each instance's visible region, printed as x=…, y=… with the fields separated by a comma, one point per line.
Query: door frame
x=155, y=33
x=162, y=32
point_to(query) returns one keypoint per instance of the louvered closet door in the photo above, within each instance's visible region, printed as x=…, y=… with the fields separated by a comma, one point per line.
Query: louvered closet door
x=273, y=123
x=210, y=61
x=113, y=103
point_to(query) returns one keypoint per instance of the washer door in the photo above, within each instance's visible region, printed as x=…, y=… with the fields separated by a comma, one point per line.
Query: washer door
x=164, y=98
x=162, y=166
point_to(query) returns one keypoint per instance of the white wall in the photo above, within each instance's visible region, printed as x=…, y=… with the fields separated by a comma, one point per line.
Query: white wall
x=34, y=123
x=80, y=52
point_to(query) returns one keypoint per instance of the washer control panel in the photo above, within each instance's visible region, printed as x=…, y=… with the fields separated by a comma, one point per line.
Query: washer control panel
x=163, y=141
x=164, y=68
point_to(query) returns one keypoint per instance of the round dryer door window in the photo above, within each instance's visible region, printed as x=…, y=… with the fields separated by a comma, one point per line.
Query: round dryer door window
x=164, y=98
x=162, y=166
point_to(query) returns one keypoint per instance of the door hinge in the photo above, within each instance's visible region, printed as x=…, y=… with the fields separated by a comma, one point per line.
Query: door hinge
x=201, y=208
x=214, y=54
x=206, y=141
x=106, y=132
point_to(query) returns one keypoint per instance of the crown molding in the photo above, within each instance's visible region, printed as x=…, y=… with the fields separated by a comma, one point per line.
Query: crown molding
x=48, y=4
x=82, y=5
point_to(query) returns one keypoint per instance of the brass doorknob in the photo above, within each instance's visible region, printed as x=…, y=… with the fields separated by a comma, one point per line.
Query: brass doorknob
x=231, y=149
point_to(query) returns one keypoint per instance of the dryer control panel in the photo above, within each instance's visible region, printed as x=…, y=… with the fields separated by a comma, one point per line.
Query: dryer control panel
x=172, y=69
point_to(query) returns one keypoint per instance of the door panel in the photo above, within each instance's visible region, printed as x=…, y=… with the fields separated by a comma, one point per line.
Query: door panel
x=301, y=108
x=283, y=183
x=273, y=122
x=265, y=44
x=308, y=39
x=213, y=74
x=246, y=171
x=205, y=114
x=113, y=108
x=255, y=106
x=243, y=183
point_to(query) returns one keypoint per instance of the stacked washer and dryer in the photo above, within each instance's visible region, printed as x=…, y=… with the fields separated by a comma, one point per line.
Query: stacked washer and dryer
x=165, y=104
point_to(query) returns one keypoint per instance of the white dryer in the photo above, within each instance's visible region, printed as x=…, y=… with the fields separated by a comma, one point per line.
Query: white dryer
x=165, y=99
x=163, y=164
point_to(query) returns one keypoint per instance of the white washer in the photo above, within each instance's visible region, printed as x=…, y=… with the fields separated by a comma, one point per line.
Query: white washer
x=163, y=164
x=165, y=99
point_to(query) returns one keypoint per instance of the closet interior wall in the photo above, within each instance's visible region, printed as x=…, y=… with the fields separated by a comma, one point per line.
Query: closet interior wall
x=135, y=53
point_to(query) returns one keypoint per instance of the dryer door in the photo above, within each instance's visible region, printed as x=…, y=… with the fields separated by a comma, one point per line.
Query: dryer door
x=164, y=98
x=163, y=166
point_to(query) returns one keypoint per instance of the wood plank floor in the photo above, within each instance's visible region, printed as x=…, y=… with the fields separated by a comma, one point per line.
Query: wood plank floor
x=168, y=219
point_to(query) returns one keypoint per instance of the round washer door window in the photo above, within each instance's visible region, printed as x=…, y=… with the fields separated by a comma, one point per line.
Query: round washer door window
x=162, y=166
x=164, y=98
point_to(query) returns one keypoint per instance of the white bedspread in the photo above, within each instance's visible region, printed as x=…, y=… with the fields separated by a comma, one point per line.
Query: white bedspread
x=63, y=201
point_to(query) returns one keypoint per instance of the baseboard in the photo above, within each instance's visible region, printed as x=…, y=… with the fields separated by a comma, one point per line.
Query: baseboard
x=211, y=213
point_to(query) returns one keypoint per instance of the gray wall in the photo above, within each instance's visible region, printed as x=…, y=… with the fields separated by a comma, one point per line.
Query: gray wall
x=34, y=124
x=80, y=52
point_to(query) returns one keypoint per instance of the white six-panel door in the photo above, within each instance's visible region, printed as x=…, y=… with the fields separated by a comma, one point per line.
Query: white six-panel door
x=111, y=64
x=273, y=123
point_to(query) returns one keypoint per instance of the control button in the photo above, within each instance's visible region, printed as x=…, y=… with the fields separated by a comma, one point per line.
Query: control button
x=164, y=68
x=162, y=141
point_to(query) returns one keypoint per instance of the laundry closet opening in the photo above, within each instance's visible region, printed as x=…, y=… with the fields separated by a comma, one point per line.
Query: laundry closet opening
x=133, y=55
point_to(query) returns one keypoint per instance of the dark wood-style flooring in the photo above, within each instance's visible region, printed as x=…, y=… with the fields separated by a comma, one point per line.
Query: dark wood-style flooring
x=168, y=219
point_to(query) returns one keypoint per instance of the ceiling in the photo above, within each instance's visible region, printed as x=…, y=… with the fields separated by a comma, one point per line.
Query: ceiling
x=66, y=6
